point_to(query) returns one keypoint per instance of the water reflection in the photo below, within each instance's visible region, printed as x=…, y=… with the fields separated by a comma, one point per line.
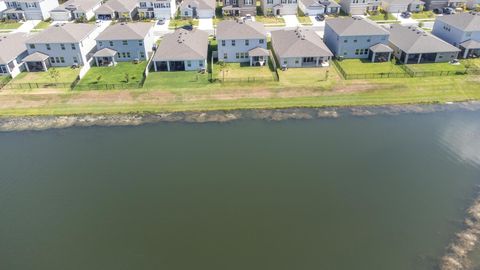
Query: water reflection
x=462, y=139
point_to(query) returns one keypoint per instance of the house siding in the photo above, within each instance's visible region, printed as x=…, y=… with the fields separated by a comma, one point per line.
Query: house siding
x=239, y=47
x=453, y=35
x=132, y=47
x=289, y=7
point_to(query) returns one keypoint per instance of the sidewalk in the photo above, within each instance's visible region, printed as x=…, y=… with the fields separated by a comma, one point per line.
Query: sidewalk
x=27, y=26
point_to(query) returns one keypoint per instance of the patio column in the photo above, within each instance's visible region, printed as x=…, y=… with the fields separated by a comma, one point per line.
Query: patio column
x=168, y=65
x=251, y=61
x=318, y=60
x=26, y=66
x=96, y=61
x=465, y=54
x=373, y=57
x=155, y=65
x=389, y=56
x=44, y=66
x=419, y=59
x=406, y=59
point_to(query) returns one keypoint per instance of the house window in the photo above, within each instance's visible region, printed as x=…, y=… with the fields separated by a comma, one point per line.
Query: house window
x=225, y=56
x=140, y=43
x=52, y=60
x=237, y=55
x=354, y=41
x=111, y=43
x=124, y=42
x=128, y=55
x=124, y=55
x=62, y=59
x=247, y=42
x=223, y=43
x=233, y=42
x=32, y=46
x=62, y=46
x=189, y=63
x=100, y=44
x=142, y=55
x=269, y=1
x=285, y=62
x=75, y=60
x=296, y=60
x=261, y=41
x=73, y=46
x=248, y=2
x=48, y=47
x=345, y=41
x=200, y=63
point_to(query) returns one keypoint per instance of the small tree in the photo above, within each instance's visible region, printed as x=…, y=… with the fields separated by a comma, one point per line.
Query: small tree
x=99, y=78
x=468, y=64
x=54, y=74
x=127, y=77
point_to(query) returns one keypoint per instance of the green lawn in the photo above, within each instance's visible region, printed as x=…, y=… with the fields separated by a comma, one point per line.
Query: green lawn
x=9, y=25
x=66, y=75
x=303, y=76
x=435, y=67
x=114, y=75
x=270, y=20
x=176, y=80
x=382, y=17
x=423, y=15
x=241, y=72
x=43, y=25
x=358, y=66
x=304, y=20
x=177, y=23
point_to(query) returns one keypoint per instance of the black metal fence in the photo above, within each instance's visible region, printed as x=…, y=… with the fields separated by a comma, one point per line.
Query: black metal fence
x=34, y=85
x=108, y=86
x=359, y=76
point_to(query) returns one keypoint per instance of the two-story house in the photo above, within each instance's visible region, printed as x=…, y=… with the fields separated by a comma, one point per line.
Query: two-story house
x=242, y=41
x=3, y=7
x=462, y=30
x=117, y=9
x=29, y=9
x=279, y=7
x=182, y=50
x=413, y=45
x=123, y=42
x=158, y=9
x=399, y=6
x=75, y=10
x=433, y=4
x=359, y=7
x=318, y=7
x=12, y=52
x=198, y=8
x=357, y=37
x=60, y=45
x=239, y=7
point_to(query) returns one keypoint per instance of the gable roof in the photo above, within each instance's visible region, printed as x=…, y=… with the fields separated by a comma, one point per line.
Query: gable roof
x=64, y=33
x=238, y=29
x=80, y=5
x=126, y=31
x=402, y=2
x=105, y=52
x=183, y=45
x=355, y=26
x=118, y=6
x=298, y=43
x=199, y=4
x=414, y=40
x=12, y=46
x=466, y=21
x=380, y=47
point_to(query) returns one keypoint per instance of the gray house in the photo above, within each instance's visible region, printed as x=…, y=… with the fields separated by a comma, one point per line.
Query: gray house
x=60, y=45
x=240, y=41
x=359, y=7
x=12, y=52
x=316, y=7
x=117, y=9
x=29, y=9
x=239, y=7
x=198, y=8
x=300, y=48
x=357, y=37
x=122, y=42
x=398, y=6
x=279, y=7
x=432, y=4
x=412, y=45
x=75, y=9
x=182, y=50
x=461, y=30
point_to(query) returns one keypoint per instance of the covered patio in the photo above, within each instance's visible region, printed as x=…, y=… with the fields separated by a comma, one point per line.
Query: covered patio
x=470, y=49
x=380, y=53
x=258, y=56
x=14, y=14
x=36, y=62
x=105, y=57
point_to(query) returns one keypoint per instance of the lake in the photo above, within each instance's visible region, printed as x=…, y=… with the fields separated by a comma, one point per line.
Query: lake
x=379, y=192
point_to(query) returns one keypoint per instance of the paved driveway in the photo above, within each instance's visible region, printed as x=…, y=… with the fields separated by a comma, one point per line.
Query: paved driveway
x=27, y=26
x=205, y=24
x=291, y=20
x=315, y=22
x=404, y=21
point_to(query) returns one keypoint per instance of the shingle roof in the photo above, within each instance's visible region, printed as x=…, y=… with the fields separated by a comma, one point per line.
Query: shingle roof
x=355, y=26
x=118, y=6
x=12, y=46
x=470, y=44
x=63, y=33
x=105, y=52
x=414, y=40
x=466, y=21
x=401, y=2
x=126, y=31
x=258, y=51
x=183, y=45
x=237, y=29
x=81, y=5
x=298, y=43
x=36, y=57
x=200, y=4
x=380, y=47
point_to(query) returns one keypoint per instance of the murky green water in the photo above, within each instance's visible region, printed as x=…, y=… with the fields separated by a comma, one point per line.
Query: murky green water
x=350, y=193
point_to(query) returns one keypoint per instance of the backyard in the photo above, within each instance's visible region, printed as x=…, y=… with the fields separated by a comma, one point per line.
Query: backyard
x=364, y=66
x=437, y=67
x=305, y=76
x=65, y=75
x=122, y=75
x=241, y=72
x=177, y=80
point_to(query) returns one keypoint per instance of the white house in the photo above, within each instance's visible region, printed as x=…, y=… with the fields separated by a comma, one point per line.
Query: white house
x=3, y=7
x=60, y=45
x=182, y=50
x=158, y=9
x=317, y=7
x=123, y=42
x=198, y=8
x=242, y=41
x=12, y=52
x=279, y=7
x=29, y=9
x=359, y=7
x=399, y=6
x=75, y=10
x=117, y=9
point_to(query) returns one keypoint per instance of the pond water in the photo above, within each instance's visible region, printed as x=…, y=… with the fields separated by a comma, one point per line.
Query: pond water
x=380, y=192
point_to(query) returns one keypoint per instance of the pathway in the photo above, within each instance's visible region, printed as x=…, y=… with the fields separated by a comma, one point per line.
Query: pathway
x=27, y=26
x=205, y=24
x=291, y=20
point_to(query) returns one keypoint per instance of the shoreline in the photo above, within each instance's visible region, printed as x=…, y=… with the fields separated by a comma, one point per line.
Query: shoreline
x=41, y=122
